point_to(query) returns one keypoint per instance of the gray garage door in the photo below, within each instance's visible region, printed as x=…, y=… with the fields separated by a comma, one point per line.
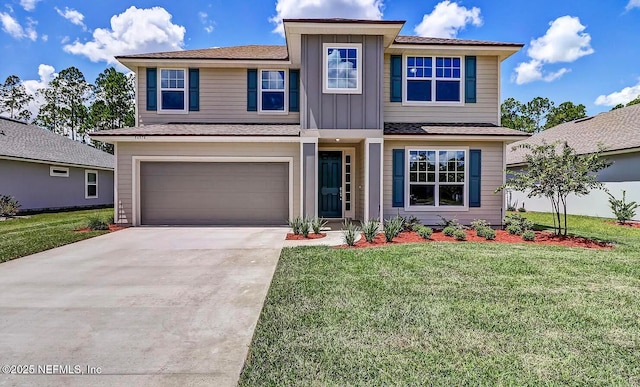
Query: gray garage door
x=175, y=193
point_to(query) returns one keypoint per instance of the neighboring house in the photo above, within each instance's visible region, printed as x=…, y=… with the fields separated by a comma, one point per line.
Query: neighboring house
x=44, y=170
x=348, y=120
x=619, y=132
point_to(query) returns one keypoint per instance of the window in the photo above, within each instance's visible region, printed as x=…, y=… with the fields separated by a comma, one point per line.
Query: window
x=437, y=178
x=173, y=90
x=273, y=96
x=433, y=79
x=347, y=182
x=342, y=68
x=91, y=184
x=58, y=171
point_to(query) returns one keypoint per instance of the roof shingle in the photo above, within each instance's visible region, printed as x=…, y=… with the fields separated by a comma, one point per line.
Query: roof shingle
x=251, y=52
x=402, y=39
x=207, y=130
x=454, y=129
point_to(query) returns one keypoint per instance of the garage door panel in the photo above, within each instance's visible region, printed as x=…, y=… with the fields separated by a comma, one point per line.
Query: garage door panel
x=214, y=193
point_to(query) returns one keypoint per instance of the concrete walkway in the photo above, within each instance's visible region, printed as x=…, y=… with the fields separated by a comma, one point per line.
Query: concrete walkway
x=333, y=238
x=148, y=306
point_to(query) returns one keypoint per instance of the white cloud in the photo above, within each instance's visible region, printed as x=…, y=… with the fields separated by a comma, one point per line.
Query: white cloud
x=136, y=30
x=619, y=97
x=204, y=19
x=72, y=15
x=45, y=73
x=633, y=4
x=564, y=42
x=351, y=9
x=11, y=26
x=45, y=38
x=29, y=5
x=447, y=19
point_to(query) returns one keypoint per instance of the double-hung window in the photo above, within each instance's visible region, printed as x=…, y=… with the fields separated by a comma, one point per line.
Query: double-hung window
x=91, y=184
x=437, y=178
x=342, y=68
x=173, y=90
x=433, y=79
x=273, y=87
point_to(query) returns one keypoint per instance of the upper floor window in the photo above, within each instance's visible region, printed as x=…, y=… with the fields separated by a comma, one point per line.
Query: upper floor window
x=342, y=68
x=433, y=79
x=273, y=86
x=173, y=90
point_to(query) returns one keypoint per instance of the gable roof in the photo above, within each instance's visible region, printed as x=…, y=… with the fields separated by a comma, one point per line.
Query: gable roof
x=616, y=130
x=250, y=52
x=452, y=129
x=31, y=143
x=403, y=39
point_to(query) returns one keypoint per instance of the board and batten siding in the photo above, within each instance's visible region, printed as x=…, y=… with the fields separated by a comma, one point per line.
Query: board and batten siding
x=223, y=99
x=126, y=150
x=492, y=177
x=485, y=110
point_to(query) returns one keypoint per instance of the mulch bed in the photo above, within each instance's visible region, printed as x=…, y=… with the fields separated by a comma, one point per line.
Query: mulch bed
x=294, y=237
x=542, y=238
x=112, y=228
x=628, y=224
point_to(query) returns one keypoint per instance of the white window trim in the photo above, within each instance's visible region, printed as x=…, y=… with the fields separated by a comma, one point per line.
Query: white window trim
x=438, y=208
x=86, y=184
x=433, y=79
x=325, y=68
x=53, y=171
x=286, y=93
x=160, y=110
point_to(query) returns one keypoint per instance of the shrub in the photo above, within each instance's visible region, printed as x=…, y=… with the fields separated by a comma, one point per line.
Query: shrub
x=460, y=235
x=8, y=206
x=522, y=209
x=350, y=233
x=317, y=224
x=424, y=232
x=514, y=229
x=370, y=230
x=110, y=220
x=529, y=235
x=489, y=234
x=621, y=209
x=444, y=223
x=449, y=231
x=95, y=223
x=518, y=220
x=482, y=231
x=305, y=227
x=296, y=225
x=479, y=224
x=392, y=228
x=409, y=223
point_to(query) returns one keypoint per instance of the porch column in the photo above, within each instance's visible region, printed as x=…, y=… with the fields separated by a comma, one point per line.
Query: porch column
x=373, y=179
x=309, y=179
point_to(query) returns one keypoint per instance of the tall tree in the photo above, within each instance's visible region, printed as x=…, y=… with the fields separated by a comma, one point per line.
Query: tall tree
x=513, y=116
x=537, y=110
x=565, y=112
x=14, y=99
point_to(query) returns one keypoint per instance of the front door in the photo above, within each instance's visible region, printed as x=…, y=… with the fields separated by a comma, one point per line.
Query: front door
x=330, y=184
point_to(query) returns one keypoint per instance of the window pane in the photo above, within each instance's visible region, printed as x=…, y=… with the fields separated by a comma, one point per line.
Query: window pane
x=451, y=195
x=91, y=178
x=448, y=91
x=273, y=100
x=421, y=195
x=413, y=177
x=347, y=206
x=342, y=66
x=172, y=100
x=418, y=90
x=92, y=190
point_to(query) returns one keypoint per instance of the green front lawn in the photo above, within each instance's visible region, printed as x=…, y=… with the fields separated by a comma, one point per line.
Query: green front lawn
x=454, y=314
x=28, y=235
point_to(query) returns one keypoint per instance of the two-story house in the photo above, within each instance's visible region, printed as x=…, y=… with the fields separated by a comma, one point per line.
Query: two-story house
x=347, y=120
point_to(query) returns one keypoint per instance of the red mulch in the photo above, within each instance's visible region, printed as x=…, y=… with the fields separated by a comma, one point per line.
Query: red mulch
x=542, y=238
x=294, y=237
x=112, y=228
x=628, y=224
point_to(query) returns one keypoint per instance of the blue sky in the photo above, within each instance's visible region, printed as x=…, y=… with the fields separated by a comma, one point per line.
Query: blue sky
x=585, y=51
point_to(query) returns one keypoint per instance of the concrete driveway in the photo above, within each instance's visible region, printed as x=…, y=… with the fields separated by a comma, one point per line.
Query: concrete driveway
x=149, y=306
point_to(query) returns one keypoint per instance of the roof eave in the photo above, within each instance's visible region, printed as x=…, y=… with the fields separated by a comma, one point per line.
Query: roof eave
x=503, y=52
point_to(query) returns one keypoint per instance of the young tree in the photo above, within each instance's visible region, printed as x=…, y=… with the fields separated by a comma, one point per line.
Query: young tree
x=565, y=112
x=555, y=171
x=537, y=110
x=14, y=99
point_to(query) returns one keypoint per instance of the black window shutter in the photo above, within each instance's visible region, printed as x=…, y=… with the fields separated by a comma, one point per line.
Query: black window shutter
x=475, y=177
x=294, y=90
x=396, y=78
x=252, y=90
x=398, y=178
x=152, y=88
x=470, y=79
x=194, y=90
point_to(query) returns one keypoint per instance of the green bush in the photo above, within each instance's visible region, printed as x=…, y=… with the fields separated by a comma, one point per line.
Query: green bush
x=522, y=209
x=370, y=230
x=444, y=223
x=516, y=219
x=529, y=235
x=317, y=224
x=409, y=223
x=514, y=229
x=479, y=224
x=305, y=227
x=392, y=228
x=449, y=231
x=482, y=231
x=95, y=223
x=489, y=234
x=110, y=220
x=621, y=209
x=296, y=225
x=350, y=233
x=9, y=206
x=460, y=235
x=424, y=232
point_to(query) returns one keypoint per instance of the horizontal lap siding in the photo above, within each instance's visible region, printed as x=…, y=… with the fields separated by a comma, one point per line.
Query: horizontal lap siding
x=223, y=99
x=127, y=150
x=485, y=110
x=492, y=177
